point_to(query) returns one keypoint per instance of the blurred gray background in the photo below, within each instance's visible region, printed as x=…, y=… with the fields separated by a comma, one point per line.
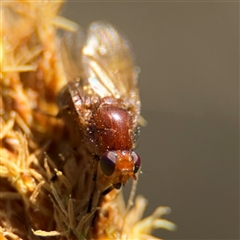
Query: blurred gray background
x=188, y=53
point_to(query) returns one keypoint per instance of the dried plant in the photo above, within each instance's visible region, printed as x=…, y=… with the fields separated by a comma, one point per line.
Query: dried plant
x=45, y=183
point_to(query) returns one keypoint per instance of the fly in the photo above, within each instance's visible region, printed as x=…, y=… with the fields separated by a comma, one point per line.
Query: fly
x=100, y=104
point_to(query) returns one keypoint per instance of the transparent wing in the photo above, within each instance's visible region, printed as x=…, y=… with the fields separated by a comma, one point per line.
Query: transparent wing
x=100, y=64
x=108, y=63
x=71, y=46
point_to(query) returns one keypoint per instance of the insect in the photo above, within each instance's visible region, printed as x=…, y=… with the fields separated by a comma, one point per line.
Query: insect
x=102, y=101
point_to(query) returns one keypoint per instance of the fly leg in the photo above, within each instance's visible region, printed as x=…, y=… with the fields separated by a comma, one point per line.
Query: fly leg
x=105, y=192
x=94, y=179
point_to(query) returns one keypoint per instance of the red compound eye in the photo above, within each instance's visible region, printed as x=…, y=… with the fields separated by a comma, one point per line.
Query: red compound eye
x=107, y=163
x=137, y=161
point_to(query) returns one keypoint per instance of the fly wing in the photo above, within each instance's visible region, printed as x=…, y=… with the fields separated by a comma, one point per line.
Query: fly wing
x=75, y=92
x=71, y=46
x=100, y=64
x=108, y=64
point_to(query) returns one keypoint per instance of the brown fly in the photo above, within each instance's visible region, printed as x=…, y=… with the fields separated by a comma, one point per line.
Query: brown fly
x=101, y=104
